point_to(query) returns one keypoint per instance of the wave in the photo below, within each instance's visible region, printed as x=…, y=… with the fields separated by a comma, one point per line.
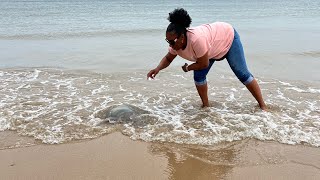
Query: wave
x=59, y=106
x=65, y=35
x=314, y=54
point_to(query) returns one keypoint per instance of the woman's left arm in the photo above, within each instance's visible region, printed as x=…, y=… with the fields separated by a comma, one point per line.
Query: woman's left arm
x=201, y=63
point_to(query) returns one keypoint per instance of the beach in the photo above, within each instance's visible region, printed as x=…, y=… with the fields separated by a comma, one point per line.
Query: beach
x=64, y=65
x=115, y=156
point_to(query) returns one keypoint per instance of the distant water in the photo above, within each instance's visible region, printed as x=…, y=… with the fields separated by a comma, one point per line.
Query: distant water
x=54, y=18
x=63, y=63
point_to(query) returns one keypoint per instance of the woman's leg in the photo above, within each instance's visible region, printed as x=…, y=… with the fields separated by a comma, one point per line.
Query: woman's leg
x=200, y=81
x=254, y=88
x=237, y=62
x=203, y=93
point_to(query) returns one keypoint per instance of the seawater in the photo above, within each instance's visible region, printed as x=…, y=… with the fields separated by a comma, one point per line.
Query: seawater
x=63, y=63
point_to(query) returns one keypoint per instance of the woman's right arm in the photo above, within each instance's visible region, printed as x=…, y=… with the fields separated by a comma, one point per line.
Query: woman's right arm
x=165, y=62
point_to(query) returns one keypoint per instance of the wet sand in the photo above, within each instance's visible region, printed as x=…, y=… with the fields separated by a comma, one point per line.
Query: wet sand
x=116, y=156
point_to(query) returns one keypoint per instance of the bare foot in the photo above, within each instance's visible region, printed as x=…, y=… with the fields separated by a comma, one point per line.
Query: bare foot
x=264, y=108
x=205, y=106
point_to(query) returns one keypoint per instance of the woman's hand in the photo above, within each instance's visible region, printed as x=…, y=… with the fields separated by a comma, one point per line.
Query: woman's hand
x=185, y=67
x=152, y=74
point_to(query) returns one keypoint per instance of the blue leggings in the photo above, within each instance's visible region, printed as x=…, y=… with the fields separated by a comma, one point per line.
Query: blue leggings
x=236, y=60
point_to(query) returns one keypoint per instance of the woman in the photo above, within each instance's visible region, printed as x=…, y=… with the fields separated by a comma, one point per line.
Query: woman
x=203, y=45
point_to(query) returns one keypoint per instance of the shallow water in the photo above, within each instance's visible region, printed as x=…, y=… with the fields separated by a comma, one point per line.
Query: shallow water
x=56, y=106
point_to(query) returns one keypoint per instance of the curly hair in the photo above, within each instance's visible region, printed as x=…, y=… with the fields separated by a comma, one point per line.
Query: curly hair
x=179, y=21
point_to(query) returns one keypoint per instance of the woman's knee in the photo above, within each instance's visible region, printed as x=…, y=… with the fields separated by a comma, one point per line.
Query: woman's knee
x=200, y=76
x=199, y=79
x=248, y=80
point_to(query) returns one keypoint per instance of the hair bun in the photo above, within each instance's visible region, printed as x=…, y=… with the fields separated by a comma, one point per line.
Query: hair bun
x=181, y=17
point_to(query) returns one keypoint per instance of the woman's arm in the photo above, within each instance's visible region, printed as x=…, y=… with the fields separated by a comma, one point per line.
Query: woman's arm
x=165, y=62
x=201, y=63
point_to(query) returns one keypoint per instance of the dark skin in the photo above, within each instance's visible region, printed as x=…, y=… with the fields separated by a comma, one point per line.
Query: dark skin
x=180, y=43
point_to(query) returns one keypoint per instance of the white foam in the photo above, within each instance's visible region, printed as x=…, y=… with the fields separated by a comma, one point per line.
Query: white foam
x=4, y=124
x=296, y=89
x=121, y=88
x=234, y=89
x=231, y=97
x=312, y=90
x=263, y=126
x=33, y=76
x=285, y=83
x=179, y=76
x=63, y=107
x=101, y=89
x=134, y=79
x=312, y=105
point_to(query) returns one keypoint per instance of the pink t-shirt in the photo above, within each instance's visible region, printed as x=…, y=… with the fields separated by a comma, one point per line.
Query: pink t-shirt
x=215, y=38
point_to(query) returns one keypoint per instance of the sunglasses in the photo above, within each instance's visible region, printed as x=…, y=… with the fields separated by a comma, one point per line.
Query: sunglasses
x=172, y=42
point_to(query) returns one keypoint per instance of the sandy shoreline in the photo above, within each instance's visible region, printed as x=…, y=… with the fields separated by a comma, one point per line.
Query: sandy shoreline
x=115, y=156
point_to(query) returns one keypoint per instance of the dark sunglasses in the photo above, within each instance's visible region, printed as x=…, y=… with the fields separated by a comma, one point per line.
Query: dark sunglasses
x=172, y=42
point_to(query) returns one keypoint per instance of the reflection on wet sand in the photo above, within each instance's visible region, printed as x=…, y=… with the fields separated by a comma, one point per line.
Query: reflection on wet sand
x=245, y=159
x=194, y=162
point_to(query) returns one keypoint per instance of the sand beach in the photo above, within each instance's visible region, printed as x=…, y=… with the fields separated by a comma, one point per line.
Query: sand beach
x=115, y=156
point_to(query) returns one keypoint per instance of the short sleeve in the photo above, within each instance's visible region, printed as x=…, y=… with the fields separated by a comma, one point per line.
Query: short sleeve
x=200, y=46
x=172, y=51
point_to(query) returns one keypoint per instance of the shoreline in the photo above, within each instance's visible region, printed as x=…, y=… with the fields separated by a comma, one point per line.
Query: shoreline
x=116, y=156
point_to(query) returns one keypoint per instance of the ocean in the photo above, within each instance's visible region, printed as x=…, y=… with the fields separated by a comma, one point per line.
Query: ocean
x=64, y=63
